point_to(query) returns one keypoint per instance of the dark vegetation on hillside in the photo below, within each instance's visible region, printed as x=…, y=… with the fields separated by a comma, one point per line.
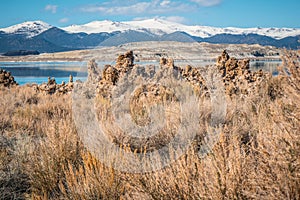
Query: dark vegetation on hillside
x=21, y=53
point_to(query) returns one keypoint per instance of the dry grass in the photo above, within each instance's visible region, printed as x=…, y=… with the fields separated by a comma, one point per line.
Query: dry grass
x=257, y=157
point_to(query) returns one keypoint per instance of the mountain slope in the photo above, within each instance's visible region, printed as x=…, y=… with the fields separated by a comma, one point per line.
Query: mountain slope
x=127, y=37
x=40, y=36
x=179, y=37
x=98, y=27
x=288, y=42
x=11, y=42
x=241, y=39
x=73, y=40
x=28, y=29
x=161, y=27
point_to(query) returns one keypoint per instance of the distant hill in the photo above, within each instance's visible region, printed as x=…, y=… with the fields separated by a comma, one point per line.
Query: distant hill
x=81, y=40
x=42, y=37
x=21, y=53
x=12, y=42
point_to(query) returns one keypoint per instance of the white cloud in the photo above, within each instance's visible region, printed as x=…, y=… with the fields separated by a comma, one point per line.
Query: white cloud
x=51, y=8
x=63, y=20
x=144, y=7
x=165, y=3
x=93, y=9
x=207, y=3
x=177, y=19
x=111, y=9
x=135, y=8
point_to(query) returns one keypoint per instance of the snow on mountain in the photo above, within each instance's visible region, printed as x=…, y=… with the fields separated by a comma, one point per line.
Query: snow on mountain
x=276, y=33
x=99, y=26
x=155, y=26
x=208, y=31
x=30, y=28
x=160, y=27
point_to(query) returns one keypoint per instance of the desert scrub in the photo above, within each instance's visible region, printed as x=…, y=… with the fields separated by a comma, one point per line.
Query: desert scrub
x=257, y=156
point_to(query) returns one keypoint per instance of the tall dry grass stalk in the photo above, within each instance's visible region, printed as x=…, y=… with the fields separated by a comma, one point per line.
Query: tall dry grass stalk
x=257, y=157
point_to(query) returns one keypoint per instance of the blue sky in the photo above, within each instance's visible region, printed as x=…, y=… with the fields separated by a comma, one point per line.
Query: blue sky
x=219, y=13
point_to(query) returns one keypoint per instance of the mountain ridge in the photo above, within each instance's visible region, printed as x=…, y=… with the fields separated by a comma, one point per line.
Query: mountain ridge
x=156, y=26
x=169, y=27
x=43, y=37
x=28, y=28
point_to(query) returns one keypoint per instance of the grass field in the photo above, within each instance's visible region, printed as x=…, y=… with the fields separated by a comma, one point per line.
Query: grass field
x=257, y=156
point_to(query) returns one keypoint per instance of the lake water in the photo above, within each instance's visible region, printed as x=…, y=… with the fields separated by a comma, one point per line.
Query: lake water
x=38, y=72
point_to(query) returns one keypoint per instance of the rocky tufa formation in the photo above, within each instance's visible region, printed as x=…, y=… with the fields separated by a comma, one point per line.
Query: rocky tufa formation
x=194, y=77
x=124, y=63
x=237, y=77
x=6, y=79
x=51, y=87
x=111, y=74
x=94, y=73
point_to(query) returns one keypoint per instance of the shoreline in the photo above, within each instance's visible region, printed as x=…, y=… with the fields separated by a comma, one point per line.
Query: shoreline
x=18, y=59
x=145, y=51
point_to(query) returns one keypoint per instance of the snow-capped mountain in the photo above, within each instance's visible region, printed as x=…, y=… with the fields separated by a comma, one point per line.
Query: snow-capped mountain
x=99, y=26
x=155, y=26
x=29, y=29
x=161, y=27
x=42, y=37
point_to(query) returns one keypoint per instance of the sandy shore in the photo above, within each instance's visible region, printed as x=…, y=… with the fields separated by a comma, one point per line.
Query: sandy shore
x=144, y=51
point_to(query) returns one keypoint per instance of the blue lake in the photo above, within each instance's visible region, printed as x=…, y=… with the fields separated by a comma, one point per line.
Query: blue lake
x=38, y=72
